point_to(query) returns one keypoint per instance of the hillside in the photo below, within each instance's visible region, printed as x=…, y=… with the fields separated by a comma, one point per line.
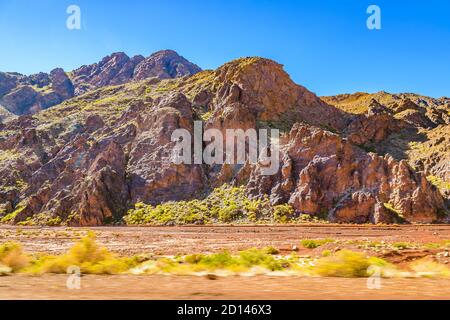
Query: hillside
x=21, y=94
x=92, y=157
x=424, y=138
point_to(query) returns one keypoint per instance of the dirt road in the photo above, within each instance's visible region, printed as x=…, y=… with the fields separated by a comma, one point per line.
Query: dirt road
x=241, y=288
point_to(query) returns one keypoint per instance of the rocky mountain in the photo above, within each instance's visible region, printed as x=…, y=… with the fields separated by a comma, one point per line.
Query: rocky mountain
x=21, y=94
x=423, y=137
x=90, y=158
x=118, y=68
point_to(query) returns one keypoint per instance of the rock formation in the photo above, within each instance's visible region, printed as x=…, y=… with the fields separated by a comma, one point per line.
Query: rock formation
x=88, y=159
x=21, y=94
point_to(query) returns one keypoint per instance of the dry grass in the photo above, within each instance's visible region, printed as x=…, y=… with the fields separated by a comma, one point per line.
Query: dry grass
x=92, y=258
x=13, y=257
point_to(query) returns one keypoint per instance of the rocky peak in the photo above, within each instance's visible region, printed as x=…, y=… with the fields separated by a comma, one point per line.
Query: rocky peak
x=269, y=93
x=111, y=70
x=21, y=94
x=164, y=64
x=118, y=68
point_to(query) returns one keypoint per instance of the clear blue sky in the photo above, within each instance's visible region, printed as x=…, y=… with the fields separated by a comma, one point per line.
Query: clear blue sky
x=324, y=45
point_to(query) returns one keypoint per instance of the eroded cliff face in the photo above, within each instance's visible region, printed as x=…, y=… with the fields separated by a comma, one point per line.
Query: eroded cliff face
x=322, y=173
x=88, y=159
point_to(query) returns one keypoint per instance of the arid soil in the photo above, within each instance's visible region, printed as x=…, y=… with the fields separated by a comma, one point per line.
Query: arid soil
x=207, y=239
x=201, y=288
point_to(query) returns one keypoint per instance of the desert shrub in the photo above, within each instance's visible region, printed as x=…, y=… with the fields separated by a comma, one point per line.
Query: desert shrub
x=396, y=214
x=271, y=250
x=429, y=268
x=88, y=256
x=212, y=261
x=27, y=222
x=12, y=256
x=194, y=258
x=439, y=183
x=52, y=222
x=326, y=253
x=283, y=213
x=206, y=116
x=224, y=204
x=401, y=245
x=11, y=216
x=313, y=244
x=254, y=257
x=347, y=264
x=244, y=260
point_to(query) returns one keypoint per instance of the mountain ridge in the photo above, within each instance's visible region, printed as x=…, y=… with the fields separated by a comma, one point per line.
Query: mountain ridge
x=90, y=158
x=22, y=94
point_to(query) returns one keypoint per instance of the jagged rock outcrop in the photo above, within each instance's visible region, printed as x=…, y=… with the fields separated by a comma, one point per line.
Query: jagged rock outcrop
x=329, y=176
x=154, y=177
x=166, y=64
x=29, y=94
x=410, y=127
x=115, y=69
x=265, y=90
x=118, y=68
x=373, y=127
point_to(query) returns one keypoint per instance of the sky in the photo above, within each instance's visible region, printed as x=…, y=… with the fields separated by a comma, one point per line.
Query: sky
x=324, y=45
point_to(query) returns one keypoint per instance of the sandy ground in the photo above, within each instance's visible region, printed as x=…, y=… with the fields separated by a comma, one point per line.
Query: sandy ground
x=236, y=288
x=205, y=239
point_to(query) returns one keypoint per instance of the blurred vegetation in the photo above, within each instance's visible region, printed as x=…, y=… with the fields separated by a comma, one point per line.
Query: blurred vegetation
x=92, y=258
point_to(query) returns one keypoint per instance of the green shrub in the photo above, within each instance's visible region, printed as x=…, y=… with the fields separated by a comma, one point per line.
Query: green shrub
x=271, y=250
x=88, y=256
x=439, y=183
x=11, y=216
x=326, y=253
x=283, y=213
x=53, y=222
x=396, y=214
x=401, y=245
x=244, y=260
x=12, y=256
x=254, y=257
x=313, y=244
x=344, y=263
x=225, y=204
